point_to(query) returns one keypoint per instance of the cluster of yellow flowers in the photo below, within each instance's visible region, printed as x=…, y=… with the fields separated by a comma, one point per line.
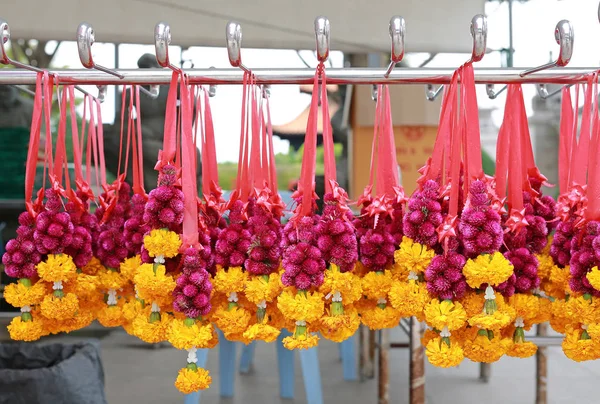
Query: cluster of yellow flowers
x=482, y=325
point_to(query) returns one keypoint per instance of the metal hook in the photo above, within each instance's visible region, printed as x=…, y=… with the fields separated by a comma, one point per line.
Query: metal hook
x=397, y=31
x=85, y=40
x=432, y=94
x=212, y=89
x=162, y=40
x=564, y=37
x=489, y=88
x=266, y=91
x=479, y=34
x=374, y=92
x=4, y=59
x=478, y=30
x=233, y=34
x=563, y=33
x=322, y=32
x=542, y=91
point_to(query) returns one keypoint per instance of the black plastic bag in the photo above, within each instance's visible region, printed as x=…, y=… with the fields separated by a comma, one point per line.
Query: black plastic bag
x=51, y=373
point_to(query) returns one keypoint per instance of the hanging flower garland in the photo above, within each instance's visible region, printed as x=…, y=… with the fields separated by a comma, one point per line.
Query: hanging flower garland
x=379, y=231
x=160, y=255
x=264, y=224
x=233, y=314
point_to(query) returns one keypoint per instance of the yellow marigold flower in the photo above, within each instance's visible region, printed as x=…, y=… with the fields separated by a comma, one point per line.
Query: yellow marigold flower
x=84, y=286
x=482, y=349
x=129, y=267
x=377, y=318
x=464, y=334
x=445, y=314
x=133, y=307
x=232, y=320
x=229, y=280
x=376, y=285
x=31, y=330
x=304, y=341
x=559, y=319
x=188, y=333
x=23, y=293
x=189, y=381
x=154, y=286
x=306, y=306
x=473, y=303
x=526, y=306
x=260, y=288
x=583, y=310
x=578, y=346
x=544, y=313
x=546, y=263
x=162, y=242
x=57, y=267
x=111, y=279
x=411, y=256
x=443, y=356
x=522, y=349
x=78, y=321
x=429, y=335
x=360, y=270
x=262, y=332
x=593, y=276
x=111, y=316
x=93, y=267
x=347, y=283
x=557, y=285
x=492, y=269
x=60, y=308
x=593, y=331
x=151, y=332
x=338, y=328
x=409, y=297
x=490, y=321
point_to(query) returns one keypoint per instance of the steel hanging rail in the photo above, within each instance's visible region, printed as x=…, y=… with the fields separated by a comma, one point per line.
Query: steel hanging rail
x=565, y=75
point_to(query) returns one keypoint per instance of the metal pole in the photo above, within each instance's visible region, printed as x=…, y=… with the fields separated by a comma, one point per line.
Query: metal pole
x=565, y=75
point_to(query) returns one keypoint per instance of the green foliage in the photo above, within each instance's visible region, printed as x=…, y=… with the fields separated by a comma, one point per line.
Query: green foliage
x=489, y=165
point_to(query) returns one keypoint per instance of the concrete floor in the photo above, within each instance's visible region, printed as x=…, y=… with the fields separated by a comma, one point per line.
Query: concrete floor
x=136, y=373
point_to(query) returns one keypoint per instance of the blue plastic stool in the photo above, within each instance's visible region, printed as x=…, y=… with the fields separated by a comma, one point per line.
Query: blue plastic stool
x=285, y=359
x=194, y=398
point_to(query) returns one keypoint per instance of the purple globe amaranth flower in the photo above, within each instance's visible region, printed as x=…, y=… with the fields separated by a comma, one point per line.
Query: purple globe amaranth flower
x=233, y=242
x=423, y=214
x=264, y=254
x=544, y=205
x=21, y=254
x=479, y=228
x=534, y=236
x=191, y=295
x=525, y=277
x=583, y=257
x=164, y=208
x=444, y=276
x=109, y=244
x=135, y=227
x=560, y=249
x=302, y=259
x=334, y=227
x=54, y=229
